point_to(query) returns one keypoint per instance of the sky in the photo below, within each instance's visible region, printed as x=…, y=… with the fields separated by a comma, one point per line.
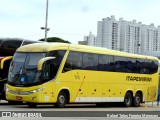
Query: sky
x=70, y=20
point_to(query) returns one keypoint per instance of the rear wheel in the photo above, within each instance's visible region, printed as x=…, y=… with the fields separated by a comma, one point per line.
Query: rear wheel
x=61, y=100
x=128, y=99
x=137, y=100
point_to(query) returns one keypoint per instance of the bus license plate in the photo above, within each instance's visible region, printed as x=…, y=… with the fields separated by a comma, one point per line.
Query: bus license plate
x=18, y=98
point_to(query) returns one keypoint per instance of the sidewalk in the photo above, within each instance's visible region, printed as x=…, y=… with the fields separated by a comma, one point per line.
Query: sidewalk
x=151, y=104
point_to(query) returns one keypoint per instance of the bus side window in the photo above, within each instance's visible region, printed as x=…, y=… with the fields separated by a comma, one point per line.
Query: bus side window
x=129, y=66
x=117, y=66
x=105, y=62
x=146, y=65
x=142, y=67
x=102, y=63
x=59, y=54
x=74, y=61
x=68, y=67
x=153, y=67
x=90, y=61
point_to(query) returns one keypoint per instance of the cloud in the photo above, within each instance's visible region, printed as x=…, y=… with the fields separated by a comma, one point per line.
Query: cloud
x=72, y=18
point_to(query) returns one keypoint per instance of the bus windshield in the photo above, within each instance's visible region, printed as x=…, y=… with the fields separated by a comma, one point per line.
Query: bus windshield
x=23, y=69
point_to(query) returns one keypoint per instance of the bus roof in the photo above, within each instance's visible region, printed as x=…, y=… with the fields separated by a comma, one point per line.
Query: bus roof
x=45, y=47
x=8, y=46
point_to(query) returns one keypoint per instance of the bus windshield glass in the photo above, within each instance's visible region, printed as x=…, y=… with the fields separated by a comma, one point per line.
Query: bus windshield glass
x=23, y=69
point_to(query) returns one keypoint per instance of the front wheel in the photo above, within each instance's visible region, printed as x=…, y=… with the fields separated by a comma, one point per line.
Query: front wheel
x=61, y=100
x=128, y=99
x=137, y=100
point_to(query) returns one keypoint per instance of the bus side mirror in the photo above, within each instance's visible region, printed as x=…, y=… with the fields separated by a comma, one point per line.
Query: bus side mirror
x=3, y=60
x=43, y=61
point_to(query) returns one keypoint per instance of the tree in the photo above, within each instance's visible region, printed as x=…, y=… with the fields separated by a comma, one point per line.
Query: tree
x=55, y=39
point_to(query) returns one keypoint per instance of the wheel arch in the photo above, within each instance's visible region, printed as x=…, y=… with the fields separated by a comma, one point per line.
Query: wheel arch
x=130, y=91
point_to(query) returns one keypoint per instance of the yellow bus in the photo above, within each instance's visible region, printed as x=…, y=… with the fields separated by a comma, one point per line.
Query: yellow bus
x=60, y=73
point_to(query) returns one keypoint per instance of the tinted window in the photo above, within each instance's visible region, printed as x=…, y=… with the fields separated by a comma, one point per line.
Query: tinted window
x=11, y=44
x=110, y=63
x=59, y=54
x=106, y=63
x=120, y=64
x=131, y=65
x=74, y=61
x=153, y=66
x=143, y=67
x=90, y=61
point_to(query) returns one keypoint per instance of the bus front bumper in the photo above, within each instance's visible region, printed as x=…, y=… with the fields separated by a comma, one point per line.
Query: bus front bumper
x=34, y=98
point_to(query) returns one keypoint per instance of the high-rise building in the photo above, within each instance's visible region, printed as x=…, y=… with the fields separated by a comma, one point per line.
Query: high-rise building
x=108, y=33
x=149, y=38
x=128, y=36
x=158, y=43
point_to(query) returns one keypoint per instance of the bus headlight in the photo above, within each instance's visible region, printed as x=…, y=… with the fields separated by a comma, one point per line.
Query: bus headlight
x=24, y=92
x=7, y=89
x=10, y=91
x=36, y=90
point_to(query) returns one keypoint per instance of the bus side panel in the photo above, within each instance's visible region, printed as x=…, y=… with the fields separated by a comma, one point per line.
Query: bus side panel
x=48, y=93
x=76, y=83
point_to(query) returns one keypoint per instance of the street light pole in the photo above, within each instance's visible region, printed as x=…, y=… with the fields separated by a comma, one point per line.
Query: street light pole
x=46, y=22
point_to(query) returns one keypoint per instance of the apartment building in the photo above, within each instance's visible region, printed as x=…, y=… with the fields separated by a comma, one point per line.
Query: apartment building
x=128, y=36
x=108, y=33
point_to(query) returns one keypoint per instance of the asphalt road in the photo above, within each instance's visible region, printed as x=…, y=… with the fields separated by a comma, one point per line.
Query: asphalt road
x=78, y=112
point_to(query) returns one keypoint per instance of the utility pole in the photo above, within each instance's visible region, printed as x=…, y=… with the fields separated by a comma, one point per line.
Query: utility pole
x=46, y=22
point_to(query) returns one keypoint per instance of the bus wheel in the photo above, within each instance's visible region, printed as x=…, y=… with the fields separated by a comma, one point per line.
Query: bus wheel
x=128, y=99
x=31, y=105
x=137, y=100
x=61, y=100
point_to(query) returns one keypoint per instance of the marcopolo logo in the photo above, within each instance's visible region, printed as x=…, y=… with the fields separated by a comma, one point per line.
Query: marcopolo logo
x=134, y=78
